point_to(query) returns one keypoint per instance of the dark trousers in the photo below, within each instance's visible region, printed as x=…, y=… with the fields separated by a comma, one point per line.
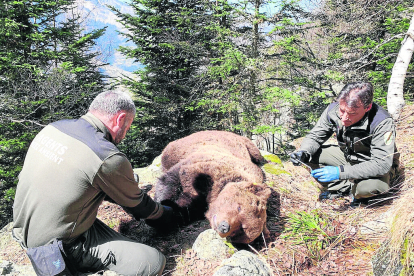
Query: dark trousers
x=102, y=248
x=331, y=155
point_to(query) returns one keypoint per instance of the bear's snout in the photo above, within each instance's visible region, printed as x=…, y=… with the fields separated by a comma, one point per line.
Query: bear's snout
x=223, y=227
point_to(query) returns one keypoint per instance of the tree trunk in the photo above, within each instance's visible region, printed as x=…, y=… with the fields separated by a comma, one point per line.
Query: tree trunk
x=395, y=96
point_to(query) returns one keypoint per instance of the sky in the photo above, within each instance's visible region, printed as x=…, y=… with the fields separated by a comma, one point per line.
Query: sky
x=98, y=15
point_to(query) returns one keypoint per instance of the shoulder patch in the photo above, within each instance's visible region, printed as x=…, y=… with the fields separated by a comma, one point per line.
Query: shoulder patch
x=388, y=137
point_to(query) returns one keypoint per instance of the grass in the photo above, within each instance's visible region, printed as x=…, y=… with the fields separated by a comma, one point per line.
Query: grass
x=311, y=229
x=401, y=243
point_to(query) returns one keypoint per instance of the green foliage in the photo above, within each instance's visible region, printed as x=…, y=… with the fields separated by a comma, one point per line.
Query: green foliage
x=48, y=72
x=174, y=41
x=204, y=65
x=385, y=54
x=313, y=230
x=231, y=249
x=407, y=256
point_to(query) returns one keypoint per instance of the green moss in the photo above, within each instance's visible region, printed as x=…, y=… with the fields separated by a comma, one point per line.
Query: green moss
x=272, y=158
x=232, y=249
x=313, y=184
x=274, y=169
x=407, y=259
x=410, y=163
x=284, y=191
x=113, y=223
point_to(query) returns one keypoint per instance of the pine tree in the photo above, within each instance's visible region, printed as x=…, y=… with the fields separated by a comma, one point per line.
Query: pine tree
x=47, y=72
x=174, y=41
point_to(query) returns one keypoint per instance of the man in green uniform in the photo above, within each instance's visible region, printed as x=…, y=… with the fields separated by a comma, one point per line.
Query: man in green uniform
x=70, y=167
x=366, y=153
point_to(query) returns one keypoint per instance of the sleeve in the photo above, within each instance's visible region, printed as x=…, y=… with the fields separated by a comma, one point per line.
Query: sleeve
x=319, y=134
x=116, y=179
x=382, y=154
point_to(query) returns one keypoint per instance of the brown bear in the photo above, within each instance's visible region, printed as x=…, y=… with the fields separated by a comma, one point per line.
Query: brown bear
x=216, y=174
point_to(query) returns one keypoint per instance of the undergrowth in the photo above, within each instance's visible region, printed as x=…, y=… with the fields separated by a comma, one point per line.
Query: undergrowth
x=311, y=229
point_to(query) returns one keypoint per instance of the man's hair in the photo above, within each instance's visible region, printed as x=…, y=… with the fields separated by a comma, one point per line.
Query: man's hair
x=109, y=103
x=355, y=92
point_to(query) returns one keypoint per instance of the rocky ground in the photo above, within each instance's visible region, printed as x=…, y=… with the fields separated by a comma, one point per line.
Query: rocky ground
x=342, y=242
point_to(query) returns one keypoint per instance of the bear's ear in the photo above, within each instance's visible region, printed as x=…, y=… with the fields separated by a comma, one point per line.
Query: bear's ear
x=261, y=190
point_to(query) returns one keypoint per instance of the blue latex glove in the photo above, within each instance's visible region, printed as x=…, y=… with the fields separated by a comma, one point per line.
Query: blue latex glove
x=326, y=174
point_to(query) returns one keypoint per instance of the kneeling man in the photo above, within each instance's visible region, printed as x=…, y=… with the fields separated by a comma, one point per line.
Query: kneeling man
x=366, y=155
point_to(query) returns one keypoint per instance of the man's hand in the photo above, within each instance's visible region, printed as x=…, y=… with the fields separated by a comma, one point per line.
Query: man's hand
x=326, y=174
x=164, y=221
x=300, y=155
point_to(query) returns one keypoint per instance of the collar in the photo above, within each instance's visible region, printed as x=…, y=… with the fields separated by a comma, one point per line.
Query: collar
x=98, y=125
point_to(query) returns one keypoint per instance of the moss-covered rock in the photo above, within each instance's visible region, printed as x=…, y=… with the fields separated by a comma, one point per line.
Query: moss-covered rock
x=272, y=158
x=274, y=169
x=243, y=263
x=210, y=246
x=150, y=174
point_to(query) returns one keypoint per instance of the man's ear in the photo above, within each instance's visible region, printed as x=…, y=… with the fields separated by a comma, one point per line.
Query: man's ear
x=120, y=119
x=368, y=108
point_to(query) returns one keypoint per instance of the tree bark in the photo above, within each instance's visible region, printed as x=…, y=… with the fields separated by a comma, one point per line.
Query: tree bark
x=395, y=96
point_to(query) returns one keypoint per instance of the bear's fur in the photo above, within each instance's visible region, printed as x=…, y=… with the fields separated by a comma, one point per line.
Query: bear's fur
x=216, y=174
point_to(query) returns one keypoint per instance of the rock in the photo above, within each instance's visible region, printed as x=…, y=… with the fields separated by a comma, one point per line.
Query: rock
x=270, y=157
x=9, y=248
x=209, y=246
x=150, y=174
x=243, y=263
x=274, y=165
x=381, y=262
x=6, y=267
x=380, y=225
x=6, y=236
x=9, y=268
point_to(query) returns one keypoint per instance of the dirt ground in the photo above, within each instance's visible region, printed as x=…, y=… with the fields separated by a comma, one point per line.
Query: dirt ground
x=349, y=251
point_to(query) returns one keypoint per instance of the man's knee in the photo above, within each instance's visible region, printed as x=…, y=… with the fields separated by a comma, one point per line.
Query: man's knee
x=145, y=261
x=162, y=261
x=364, y=192
x=369, y=188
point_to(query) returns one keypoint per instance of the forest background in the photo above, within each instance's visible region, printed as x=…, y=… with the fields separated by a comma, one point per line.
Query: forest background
x=262, y=69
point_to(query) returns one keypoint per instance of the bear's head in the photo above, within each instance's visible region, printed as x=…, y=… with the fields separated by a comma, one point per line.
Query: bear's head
x=239, y=211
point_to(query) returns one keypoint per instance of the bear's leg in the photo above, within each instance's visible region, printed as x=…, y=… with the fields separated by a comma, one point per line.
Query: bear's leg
x=196, y=187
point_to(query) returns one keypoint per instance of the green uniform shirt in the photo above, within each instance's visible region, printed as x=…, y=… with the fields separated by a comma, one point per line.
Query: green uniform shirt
x=70, y=167
x=369, y=145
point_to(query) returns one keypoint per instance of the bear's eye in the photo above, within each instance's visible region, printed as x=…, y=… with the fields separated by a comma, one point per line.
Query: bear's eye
x=239, y=209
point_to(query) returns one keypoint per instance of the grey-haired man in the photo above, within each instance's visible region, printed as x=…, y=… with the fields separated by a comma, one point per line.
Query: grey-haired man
x=70, y=167
x=366, y=153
